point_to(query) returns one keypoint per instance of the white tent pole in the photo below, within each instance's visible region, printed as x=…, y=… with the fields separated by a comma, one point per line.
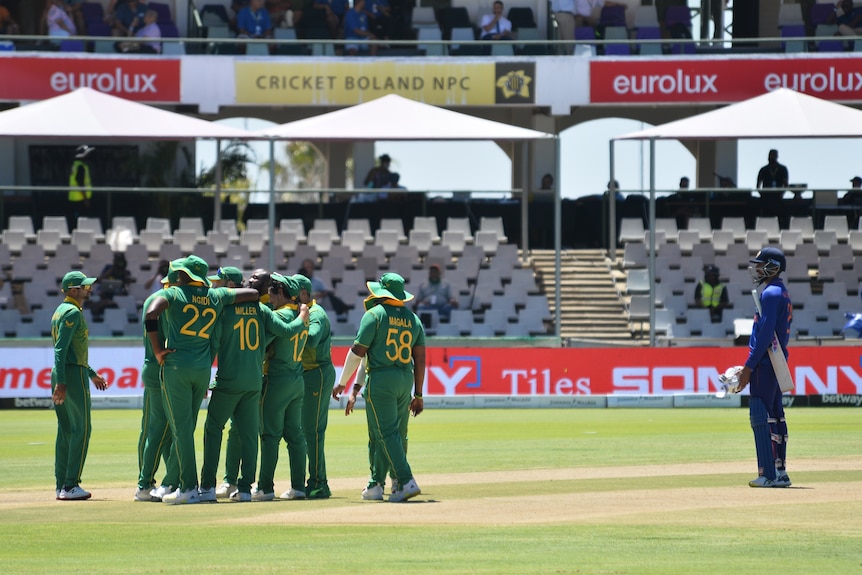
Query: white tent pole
x=612, y=208
x=652, y=241
x=558, y=262
x=525, y=199
x=271, y=239
x=217, y=205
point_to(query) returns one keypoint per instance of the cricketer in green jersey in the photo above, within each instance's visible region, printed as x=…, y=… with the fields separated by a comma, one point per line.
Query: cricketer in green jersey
x=319, y=377
x=391, y=339
x=260, y=280
x=191, y=309
x=281, y=401
x=155, y=440
x=70, y=387
x=241, y=335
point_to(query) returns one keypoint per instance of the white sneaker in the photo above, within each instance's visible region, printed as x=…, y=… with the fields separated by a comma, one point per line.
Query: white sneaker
x=409, y=490
x=373, y=493
x=762, y=481
x=159, y=492
x=240, y=497
x=225, y=490
x=181, y=497
x=74, y=494
x=207, y=495
x=258, y=495
x=143, y=495
x=293, y=494
x=783, y=480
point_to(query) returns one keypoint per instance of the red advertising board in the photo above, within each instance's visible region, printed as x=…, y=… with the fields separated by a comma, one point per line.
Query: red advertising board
x=702, y=80
x=139, y=79
x=454, y=371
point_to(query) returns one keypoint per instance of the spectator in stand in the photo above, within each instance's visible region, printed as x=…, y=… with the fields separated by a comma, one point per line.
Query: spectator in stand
x=356, y=29
x=564, y=14
x=853, y=196
x=683, y=183
x=436, y=295
x=129, y=18
x=58, y=21
x=253, y=21
x=236, y=6
x=7, y=24
x=283, y=14
x=848, y=18
x=150, y=31
x=114, y=280
x=320, y=291
x=379, y=175
x=495, y=26
x=335, y=12
x=712, y=294
x=585, y=9
x=772, y=176
x=380, y=21
x=111, y=9
x=161, y=271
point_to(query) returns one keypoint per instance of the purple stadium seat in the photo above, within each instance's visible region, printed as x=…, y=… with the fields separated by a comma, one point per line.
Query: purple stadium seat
x=164, y=11
x=677, y=15
x=820, y=13
x=169, y=30
x=98, y=28
x=92, y=11
x=585, y=33
x=613, y=16
x=72, y=46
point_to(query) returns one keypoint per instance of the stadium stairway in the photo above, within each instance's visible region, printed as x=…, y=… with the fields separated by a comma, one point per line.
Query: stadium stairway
x=593, y=313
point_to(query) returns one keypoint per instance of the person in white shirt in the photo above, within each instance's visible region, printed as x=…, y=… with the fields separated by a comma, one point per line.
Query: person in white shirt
x=564, y=14
x=495, y=26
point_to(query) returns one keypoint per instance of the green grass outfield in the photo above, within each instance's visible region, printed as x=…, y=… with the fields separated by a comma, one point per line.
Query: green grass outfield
x=604, y=491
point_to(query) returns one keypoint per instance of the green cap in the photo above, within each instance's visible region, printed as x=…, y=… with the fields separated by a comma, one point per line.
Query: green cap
x=288, y=282
x=303, y=282
x=76, y=279
x=226, y=274
x=391, y=285
x=196, y=268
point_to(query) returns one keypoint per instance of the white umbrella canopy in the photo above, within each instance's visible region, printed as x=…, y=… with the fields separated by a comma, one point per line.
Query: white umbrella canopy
x=783, y=113
x=92, y=115
x=394, y=117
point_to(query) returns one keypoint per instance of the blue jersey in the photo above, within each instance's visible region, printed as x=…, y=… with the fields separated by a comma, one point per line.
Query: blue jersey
x=775, y=319
x=354, y=21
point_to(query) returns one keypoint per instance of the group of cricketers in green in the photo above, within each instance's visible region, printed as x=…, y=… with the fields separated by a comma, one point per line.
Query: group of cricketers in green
x=272, y=345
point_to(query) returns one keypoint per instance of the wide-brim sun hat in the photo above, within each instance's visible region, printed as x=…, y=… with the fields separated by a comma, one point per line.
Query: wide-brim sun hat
x=391, y=285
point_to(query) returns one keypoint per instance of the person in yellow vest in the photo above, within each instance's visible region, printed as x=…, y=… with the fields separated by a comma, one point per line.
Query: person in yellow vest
x=712, y=294
x=80, y=185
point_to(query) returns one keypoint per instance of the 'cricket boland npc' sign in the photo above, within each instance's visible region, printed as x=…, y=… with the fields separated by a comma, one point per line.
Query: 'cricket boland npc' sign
x=343, y=83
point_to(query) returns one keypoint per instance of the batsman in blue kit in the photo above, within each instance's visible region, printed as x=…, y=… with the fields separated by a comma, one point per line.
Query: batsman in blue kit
x=765, y=408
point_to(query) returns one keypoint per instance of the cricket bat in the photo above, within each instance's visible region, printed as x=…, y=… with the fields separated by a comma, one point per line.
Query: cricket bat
x=776, y=355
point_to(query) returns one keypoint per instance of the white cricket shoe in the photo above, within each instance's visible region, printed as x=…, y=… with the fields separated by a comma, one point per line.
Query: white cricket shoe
x=293, y=494
x=258, y=495
x=143, y=495
x=373, y=493
x=160, y=491
x=73, y=494
x=783, y=480
x=409, y=490
x=182, y=497
x=225, y=490
x=240, y=497
x=207, y=495
x=762, y=481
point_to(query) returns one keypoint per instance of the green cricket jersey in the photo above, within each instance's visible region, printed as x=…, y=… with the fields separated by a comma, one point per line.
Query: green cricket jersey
x=190, y=321
x=390, y=332
x=150, y=374
x=318, y=347
x=243, y=333
x=70, y=334
x=284, y=354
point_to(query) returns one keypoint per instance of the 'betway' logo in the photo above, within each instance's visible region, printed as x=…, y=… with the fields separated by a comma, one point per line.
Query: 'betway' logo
x=117, y=83
x=830, y=81
x=843, y=399
x=679, y=83
x=33, y=403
